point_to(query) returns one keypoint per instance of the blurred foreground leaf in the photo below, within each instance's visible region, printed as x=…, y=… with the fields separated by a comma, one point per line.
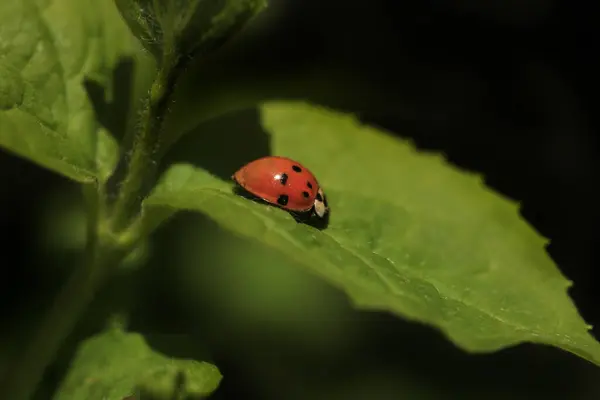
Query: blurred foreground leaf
x=409, y=234
x=116, y=364
x=47, y=51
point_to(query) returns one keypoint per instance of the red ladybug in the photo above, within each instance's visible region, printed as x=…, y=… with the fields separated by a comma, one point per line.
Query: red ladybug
x=285, y=183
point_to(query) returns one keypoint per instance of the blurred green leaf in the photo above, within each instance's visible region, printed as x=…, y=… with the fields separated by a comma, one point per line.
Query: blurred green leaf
x=48, y=48
x=255, y=291
x=186, y=26
x=409, y=234
x=116, y=364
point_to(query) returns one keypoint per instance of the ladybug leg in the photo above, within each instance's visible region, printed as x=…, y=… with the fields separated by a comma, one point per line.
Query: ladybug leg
x=309, y=218
x=301, y=217
x=319, y=223
x=240, y=191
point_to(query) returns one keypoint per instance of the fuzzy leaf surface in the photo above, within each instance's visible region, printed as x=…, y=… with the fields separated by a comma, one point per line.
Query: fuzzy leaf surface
x=47, y=49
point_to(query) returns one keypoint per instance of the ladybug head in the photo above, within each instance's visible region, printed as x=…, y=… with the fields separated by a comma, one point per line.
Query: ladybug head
x=320, y=206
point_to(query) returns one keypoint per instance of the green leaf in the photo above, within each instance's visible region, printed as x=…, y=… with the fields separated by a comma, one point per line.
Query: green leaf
x=186, y=27
x=116, y=364
x=47, y=49
x=408, y=233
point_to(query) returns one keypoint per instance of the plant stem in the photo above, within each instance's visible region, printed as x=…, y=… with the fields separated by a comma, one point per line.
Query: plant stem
x=145, y=152
x=57, y=324
x=24, y=377
x=108, y=242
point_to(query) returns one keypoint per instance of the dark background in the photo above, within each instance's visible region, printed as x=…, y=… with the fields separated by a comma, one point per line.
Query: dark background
x=500, y=87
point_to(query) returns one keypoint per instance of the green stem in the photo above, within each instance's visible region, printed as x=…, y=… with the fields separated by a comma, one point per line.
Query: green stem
x=107, y=243
x=146, y=149
x=27, y=372
x=57, y=324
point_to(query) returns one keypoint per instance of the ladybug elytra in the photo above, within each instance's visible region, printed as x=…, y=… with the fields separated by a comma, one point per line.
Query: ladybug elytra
x=285, y=183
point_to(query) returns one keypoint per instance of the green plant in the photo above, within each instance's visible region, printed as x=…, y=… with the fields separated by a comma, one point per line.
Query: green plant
x=409, y=233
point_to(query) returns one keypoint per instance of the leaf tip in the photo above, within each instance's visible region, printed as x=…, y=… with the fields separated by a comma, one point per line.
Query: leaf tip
x=568, y=283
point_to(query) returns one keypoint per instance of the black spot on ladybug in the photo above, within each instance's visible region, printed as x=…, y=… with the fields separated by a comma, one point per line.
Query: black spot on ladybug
x=309, y=185
x=283, y=179
x=305, y=194
x=296, y=168
x=319, y=197
x=282, y=199
x=325, y=200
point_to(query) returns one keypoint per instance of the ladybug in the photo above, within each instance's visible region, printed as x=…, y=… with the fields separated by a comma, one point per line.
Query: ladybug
x=285, y=183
